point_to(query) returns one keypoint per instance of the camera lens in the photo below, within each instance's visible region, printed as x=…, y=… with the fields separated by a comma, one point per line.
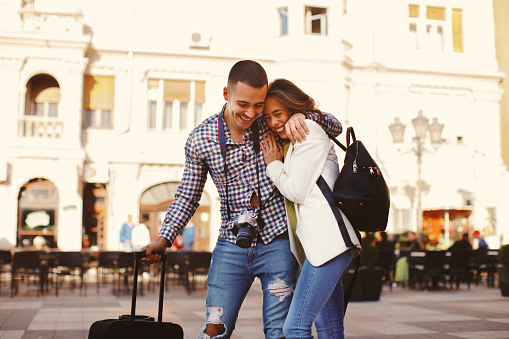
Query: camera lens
x=245, y=236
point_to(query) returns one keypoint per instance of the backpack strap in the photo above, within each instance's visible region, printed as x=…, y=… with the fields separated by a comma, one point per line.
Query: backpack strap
x=348, y=292
x=350, y=132
x=327, y=193
x=336, y=141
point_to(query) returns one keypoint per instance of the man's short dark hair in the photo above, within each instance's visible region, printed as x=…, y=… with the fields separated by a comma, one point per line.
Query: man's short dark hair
x=248, y=72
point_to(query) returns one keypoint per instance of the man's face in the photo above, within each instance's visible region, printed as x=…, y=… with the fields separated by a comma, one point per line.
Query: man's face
x=244, y=105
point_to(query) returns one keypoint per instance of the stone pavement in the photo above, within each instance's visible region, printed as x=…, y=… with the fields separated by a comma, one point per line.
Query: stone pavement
x=403, y=313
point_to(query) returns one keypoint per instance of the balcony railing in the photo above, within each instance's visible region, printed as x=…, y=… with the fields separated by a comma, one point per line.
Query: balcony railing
x=37, y=127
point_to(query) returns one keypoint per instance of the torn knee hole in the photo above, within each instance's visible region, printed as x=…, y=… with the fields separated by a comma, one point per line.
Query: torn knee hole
x=215, y=329
x=214, y=325
x=280, y=289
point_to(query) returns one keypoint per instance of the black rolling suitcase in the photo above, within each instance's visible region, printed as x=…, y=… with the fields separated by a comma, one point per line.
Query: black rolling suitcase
x=138, y=326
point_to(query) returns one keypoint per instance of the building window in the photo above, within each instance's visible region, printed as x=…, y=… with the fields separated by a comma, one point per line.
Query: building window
x=152, y=109
x=435, y=28
x=492, y=213
x=98, y=101
x=316, y=20
x=184, y=108
x=174, y=105
x=41, y=108
x=43, y=92
x=167, y=117
x=283, y=21
x=402, y=218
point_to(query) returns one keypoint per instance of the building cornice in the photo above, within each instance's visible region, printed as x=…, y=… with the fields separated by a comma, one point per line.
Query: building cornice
x=45, y=40
x=379, y=68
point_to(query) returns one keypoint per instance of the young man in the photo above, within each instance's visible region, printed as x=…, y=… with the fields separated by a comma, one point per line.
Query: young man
x=239, y=175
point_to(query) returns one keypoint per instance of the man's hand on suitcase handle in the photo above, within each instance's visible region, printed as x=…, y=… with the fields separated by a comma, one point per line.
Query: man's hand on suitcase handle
x=152, y=250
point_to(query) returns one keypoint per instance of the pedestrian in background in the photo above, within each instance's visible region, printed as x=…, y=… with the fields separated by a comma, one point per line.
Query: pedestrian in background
x=140, y=235
x=126, y=234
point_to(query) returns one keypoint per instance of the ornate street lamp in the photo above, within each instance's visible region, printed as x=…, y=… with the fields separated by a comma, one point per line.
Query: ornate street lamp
x=435, y=132
x=421, y=127
x=397, y=131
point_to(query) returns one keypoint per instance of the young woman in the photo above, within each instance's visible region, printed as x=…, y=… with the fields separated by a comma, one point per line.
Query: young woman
x=325, y=257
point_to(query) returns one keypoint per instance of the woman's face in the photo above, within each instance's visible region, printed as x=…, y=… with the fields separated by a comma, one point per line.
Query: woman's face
x=276, y=115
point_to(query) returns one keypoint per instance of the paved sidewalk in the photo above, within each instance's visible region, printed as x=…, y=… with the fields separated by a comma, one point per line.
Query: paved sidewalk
x=479, y=313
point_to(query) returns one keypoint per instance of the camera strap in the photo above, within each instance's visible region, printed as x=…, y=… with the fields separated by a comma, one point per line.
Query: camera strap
x=256, y=146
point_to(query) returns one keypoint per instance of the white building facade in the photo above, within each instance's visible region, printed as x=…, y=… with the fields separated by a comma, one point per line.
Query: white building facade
x=98, y=99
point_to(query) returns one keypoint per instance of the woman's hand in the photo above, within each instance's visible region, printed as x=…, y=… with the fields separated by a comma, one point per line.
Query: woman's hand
x=271, y=150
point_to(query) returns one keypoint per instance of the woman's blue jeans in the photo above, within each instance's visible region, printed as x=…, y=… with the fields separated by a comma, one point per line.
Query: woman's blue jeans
x=232, y=272
x=319, y=298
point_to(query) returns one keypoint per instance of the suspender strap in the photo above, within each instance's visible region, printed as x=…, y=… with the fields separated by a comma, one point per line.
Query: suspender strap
x=222, y=143
x=256, y=146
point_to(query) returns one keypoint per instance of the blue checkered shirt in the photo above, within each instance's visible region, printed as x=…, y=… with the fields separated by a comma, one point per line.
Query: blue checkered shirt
x=203, y=155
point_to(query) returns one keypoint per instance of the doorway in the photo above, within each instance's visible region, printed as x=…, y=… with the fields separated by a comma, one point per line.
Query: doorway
x=154, y=203
x=95, y=233
x=37, y=214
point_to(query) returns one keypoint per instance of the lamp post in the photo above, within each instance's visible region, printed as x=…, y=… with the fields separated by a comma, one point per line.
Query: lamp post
x=421, y=127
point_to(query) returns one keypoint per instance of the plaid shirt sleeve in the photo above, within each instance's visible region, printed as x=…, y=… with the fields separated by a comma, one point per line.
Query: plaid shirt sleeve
x=188, y=195
x=328, y=122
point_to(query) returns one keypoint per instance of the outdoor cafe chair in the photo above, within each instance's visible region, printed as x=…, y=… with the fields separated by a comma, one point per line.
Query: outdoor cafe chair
x=459, y=268
x=432, y=269
x=387, y=260
x=71, y=264
x=5, y=265
x=106, y=267
x=198, y=265
x=124, y=265
x=483, y=265
x=176, y=268
x=27, y=265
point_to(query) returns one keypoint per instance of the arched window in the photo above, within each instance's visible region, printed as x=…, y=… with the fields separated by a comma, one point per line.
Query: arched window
x=43, y=93
x=41, y=108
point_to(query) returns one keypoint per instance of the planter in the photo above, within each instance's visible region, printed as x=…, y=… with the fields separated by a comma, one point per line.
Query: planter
x=503, y=280
x=368, y=286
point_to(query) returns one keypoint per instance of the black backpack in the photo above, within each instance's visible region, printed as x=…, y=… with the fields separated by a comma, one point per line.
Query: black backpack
x=360, y=192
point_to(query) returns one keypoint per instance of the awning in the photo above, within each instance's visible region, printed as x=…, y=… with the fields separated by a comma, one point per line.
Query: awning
x=453, y=213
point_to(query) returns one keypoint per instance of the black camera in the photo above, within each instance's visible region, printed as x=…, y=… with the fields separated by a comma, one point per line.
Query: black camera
x=246, y=226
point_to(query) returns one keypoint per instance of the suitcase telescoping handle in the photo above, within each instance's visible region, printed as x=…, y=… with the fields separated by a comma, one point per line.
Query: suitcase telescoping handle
x=137, y=257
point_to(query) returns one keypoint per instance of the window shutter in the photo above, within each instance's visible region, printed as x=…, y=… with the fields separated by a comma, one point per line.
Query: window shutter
x=413, y=11
x=435, y=13
x=457, y=30
x=99, y=92
x=177, y=90
x=200, y=92
x=45, y=89
x=49, y=94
